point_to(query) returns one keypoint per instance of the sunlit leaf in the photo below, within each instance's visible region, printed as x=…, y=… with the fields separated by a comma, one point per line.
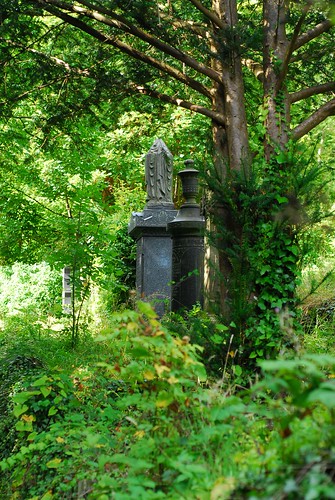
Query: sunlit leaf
x=160, y=369
x=54, y=463
x=146, y=309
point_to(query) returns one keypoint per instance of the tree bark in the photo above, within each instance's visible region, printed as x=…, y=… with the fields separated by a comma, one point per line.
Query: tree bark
x=229, y=98
x=276, y=102
x=230, y=142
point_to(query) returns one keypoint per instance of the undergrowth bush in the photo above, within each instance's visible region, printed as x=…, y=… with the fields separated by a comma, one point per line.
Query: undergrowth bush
x=213, y=338
x=13, y=371
x=145, y=422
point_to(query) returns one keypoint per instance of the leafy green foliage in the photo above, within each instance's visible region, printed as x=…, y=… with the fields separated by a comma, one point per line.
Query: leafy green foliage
x=144, y=420
x=35, y=288
x=213, y=337
x=298, y=397
x=265, y=221
x=73, y=170
x=118, y=272
x=13, y=370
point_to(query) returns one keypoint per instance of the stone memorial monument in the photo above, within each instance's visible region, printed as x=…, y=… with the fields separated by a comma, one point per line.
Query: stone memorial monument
x=158, y=176
x=148, y=228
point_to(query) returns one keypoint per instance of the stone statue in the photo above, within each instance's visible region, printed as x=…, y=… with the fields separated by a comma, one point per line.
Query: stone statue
x=158, y=175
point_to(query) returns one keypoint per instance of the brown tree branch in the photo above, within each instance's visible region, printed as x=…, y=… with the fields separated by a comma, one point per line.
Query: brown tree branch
x=180, y=102
x=119, y=22
x=255, y=67
x=28, y=92
x=290, y=48
x=196, y=28
x=131, y=51
x=310, y=91
x=320, y=28
x=328, y=109
x=208, y=13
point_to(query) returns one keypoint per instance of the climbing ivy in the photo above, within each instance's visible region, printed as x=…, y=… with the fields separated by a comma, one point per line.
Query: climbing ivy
x=260, y=219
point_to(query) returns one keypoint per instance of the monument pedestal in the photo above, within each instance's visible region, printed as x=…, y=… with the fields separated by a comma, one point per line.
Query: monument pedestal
x=154, y=255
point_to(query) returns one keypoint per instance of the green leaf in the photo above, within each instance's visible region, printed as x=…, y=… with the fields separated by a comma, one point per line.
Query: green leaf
x=281, y=158
x=19, y=410
x=54, y=463
x=41, y=381
x=140, y=352
x=45, y=391
x=281, y=199
x=235, y=408
x=164, y=399
x=32, y=436
x=52, y=411
x=216, y=339
x=147, y=309
x=22, y=397
x=294, y=249
x=324, y=396
x=134, y=463
x=26, y=426
x=237, y=370
x=221, y=328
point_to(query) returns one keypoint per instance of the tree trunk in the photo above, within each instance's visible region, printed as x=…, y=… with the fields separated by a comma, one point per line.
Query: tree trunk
x=230, y=142
x=275, y=95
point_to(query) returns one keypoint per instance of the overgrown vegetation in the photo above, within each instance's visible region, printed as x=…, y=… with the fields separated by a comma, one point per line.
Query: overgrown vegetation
x=132, y=413
x=231, y=402
x=267, y=229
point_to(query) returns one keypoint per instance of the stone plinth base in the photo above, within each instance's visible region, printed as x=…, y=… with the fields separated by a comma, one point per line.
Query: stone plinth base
x=154, y=256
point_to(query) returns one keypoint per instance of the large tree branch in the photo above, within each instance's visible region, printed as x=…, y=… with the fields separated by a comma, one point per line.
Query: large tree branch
x=180, y=102
x=116, y=21
x=313, y=120
x=255, y=67
x=313, y=33
x=310, y=91
x=131, y=51
x=197, y=29
x=209, y=14
x=179, y=23
x=290, y=47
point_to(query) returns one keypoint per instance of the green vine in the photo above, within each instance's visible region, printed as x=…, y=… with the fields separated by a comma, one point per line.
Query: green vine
x=258, y=221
